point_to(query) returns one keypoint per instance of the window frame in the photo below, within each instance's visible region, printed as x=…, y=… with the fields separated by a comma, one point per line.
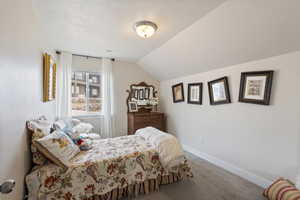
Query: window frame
x=87, y=114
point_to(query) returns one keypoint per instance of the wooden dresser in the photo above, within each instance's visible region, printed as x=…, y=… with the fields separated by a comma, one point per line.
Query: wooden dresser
x=137, y=120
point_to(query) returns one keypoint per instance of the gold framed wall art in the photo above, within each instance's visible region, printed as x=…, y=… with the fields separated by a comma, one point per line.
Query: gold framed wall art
x=49, y=78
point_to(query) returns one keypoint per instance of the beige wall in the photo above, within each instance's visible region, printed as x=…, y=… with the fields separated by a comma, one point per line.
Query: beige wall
x=21, y=48
x=125, y=74
x=260, y=142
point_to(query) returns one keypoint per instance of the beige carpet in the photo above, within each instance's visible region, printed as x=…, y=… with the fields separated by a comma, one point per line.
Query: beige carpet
x=210, y=183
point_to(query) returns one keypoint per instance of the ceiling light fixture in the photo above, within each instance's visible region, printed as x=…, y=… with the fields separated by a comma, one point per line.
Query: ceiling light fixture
x=145, y=29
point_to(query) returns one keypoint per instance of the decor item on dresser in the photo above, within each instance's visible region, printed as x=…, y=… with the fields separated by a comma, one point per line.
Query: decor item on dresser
x=255, y=87
x=178, y=93
x=132, y=105
x=195, y=93
x=49, y=78
x=144, y=95
x=219, y=91
x=139, y=120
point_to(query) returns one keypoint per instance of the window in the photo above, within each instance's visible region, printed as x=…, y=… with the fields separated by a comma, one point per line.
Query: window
x=86, y=93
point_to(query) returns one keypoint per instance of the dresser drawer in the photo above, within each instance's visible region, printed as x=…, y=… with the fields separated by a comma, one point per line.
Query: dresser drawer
x=156, y=117
x=142, y=120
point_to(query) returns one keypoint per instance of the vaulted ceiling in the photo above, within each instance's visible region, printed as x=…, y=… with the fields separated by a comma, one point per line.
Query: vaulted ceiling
x=92, y=27
x=237, y=31
x=194, y=35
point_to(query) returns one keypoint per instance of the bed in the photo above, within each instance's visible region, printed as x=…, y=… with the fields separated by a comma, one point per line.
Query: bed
x=113, y=168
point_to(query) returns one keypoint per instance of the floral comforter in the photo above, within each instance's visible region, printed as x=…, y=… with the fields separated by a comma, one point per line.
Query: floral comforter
x=110, y=164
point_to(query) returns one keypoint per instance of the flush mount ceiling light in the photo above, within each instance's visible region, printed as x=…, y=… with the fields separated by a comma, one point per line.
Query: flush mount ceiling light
x=145, y=29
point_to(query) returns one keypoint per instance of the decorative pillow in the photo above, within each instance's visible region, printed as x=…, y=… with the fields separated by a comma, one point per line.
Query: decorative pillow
x=66, y=123
x=41, y=124
x=37, y=157
x=58, y=148
x=83, y=128
x=92, y=136
x=39, y=128
x=282, y=189
x=75, y=122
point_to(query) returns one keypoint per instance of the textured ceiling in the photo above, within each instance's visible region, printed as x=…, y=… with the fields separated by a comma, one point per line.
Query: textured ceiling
x=235, y=32
x=91, y=27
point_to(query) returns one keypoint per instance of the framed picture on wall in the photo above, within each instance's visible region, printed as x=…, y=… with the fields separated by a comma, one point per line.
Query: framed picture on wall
x=178, y=93
x=219, y=91
x=255, y=87
x=49, y=78
x=195, y=93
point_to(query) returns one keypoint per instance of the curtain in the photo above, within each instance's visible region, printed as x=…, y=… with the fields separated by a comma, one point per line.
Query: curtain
x=107, y=122
x=63, y=86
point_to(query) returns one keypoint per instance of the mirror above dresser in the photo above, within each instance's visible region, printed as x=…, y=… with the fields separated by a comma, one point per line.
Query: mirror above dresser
x=142, y=98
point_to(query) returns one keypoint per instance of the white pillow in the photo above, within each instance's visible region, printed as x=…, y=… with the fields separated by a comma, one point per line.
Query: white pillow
x=75, y=122
x=58, y=147
x=83, y=128
x=42, y=125
x=66, y=123
x=59, y=125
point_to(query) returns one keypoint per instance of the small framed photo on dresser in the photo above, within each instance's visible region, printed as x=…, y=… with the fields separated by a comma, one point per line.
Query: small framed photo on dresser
x=133, y=107
x=219, y=91
x=255, y=87
x=195, y=93
x=178, y=93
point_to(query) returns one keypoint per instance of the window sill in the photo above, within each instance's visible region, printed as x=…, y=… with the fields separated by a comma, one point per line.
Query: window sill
x=88, y=116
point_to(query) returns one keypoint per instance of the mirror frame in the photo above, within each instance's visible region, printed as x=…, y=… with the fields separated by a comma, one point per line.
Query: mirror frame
x=131, y=93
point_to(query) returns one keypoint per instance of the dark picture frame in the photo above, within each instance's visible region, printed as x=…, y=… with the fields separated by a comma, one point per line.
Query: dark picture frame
x=178, y=93
x=217, y=93
x=140, y=92
x=132, y=106
x=199, y=87
x=92, y=89
x=255, y=87
x=95, y=78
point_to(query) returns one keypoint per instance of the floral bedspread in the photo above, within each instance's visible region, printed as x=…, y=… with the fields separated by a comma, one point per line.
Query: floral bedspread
x=110, y=164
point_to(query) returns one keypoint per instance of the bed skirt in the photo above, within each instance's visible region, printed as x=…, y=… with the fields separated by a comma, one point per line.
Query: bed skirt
x=145, y=187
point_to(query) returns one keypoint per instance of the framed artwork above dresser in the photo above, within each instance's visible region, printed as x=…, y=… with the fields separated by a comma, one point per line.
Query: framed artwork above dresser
x=142, y=103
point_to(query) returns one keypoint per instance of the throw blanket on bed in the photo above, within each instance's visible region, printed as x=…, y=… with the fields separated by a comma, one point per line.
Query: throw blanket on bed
x=167, y=146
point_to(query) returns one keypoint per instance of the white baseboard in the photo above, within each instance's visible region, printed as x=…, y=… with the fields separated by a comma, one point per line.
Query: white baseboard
x=229, y=167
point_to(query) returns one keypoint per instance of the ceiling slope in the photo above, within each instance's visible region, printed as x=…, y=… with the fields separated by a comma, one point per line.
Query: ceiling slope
x=91, y=27
x=235, y=32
